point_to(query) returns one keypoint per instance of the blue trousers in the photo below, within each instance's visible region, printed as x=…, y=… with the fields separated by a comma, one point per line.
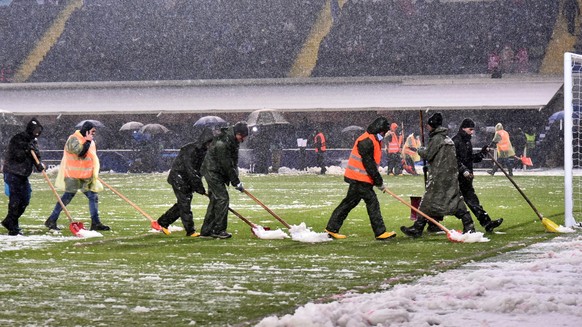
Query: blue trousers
x=68, y=196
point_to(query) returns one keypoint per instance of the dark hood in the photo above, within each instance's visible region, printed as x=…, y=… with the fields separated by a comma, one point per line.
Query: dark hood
x=379, y=125
x=206, y=135
x=34, y=128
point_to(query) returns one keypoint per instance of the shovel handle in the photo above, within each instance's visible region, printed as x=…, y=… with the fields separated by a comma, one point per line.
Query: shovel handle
x=126, y=199
x=516, y=186
x=67, y=213
x=442, y=227
x=241, y=217
x=266, y=208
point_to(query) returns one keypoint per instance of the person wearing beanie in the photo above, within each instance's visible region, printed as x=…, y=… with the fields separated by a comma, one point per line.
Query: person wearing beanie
x=442, y=196
x=220, y=168
x=362, y=175
x=393, y=150
x=79, y=170
x=505, y=151
x=17, y=168
x=466, y=158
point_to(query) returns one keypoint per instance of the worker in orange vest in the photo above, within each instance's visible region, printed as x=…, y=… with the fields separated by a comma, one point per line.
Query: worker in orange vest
x=393, y=149
x=505, y=151
x=362, y=175
x=320, y=148
x=79, y=170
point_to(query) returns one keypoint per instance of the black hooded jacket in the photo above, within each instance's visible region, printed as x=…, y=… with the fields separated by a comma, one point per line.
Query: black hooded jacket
x=185, y=172
x=366, y=150
x=465, y=155
x=18, y=160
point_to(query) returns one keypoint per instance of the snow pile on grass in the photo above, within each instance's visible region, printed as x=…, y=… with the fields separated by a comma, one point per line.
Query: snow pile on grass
x=476, y=237
x=277, y=234
x=302, y=233
x=13, y=243
x=536, y=286
x=88, y=233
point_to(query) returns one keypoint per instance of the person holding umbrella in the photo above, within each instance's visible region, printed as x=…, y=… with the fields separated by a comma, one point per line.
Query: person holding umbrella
x=219, y=168
x=362, y=175
x=16, y=170
x=79, y=170
x=186, y=179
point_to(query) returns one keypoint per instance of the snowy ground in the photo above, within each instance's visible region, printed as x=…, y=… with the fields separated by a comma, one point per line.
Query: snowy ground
x=536, y=286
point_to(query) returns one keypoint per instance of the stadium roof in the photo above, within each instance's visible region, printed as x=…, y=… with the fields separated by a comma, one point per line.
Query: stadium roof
x=313, y=94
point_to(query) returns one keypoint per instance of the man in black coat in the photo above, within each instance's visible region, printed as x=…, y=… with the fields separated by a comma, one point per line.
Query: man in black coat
x=185, y=178
x=465, y=160
x=220, y=168
x=17, y=168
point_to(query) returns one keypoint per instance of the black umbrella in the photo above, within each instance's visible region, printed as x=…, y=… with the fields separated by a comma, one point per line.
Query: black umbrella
x=210, y=121
x=131, y=126
x=95, y=123
x=154, y=129
x=266, y=117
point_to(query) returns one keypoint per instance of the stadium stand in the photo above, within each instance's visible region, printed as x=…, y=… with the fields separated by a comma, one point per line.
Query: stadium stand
x=109, y=40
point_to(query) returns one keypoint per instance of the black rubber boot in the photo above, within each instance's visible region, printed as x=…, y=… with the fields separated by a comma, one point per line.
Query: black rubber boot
x=493, y=224
x=468, y=226
x=416, y=229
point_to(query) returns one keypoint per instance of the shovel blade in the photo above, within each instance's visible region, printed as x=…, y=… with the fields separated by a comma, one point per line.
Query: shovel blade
x=75, y=227
x=155, y=225
x=550, y=226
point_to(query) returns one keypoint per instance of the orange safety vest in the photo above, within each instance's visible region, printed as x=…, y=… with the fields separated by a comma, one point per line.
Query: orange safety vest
x=322, y=137
x=505, y=143
x=394, y=144
x=355, y=169
x=79, y=167
x=414, y=143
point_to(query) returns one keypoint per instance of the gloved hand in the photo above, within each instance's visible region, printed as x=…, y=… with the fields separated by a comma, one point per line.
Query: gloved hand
x=381, y=187
x=467, y=174
x=200, y=189
x=40, y=167
x=240, y=187
x=485, y=150
x=412, y=149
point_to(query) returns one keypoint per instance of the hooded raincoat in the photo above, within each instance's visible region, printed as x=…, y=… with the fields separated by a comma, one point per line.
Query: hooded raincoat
x=442, y=196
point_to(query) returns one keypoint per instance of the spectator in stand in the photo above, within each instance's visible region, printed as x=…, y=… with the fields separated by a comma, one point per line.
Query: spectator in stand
x=571, y=11
x=507, y=57
x=522, y=59
x=493, y=65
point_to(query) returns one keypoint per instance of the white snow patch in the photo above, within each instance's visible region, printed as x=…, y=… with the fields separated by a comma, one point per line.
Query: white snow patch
x=302, y=233
x=88, y=233
x=536, y=286
x=476, y=237
x=277, y=234
x=12, y=243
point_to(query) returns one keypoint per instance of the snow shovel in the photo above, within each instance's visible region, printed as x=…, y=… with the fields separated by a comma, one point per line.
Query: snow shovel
x=550, y=226
x=76, y=227
x=452, y=235
x=268, y=210
x=153, y=222
x=248, y=222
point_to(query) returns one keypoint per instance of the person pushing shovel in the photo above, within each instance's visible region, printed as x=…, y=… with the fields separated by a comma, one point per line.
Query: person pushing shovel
x=465, y=159
x=186, y=179
x=362, y=175
x=79, y=170
x=220, y=168
x=16, y=170
x=442, y=196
